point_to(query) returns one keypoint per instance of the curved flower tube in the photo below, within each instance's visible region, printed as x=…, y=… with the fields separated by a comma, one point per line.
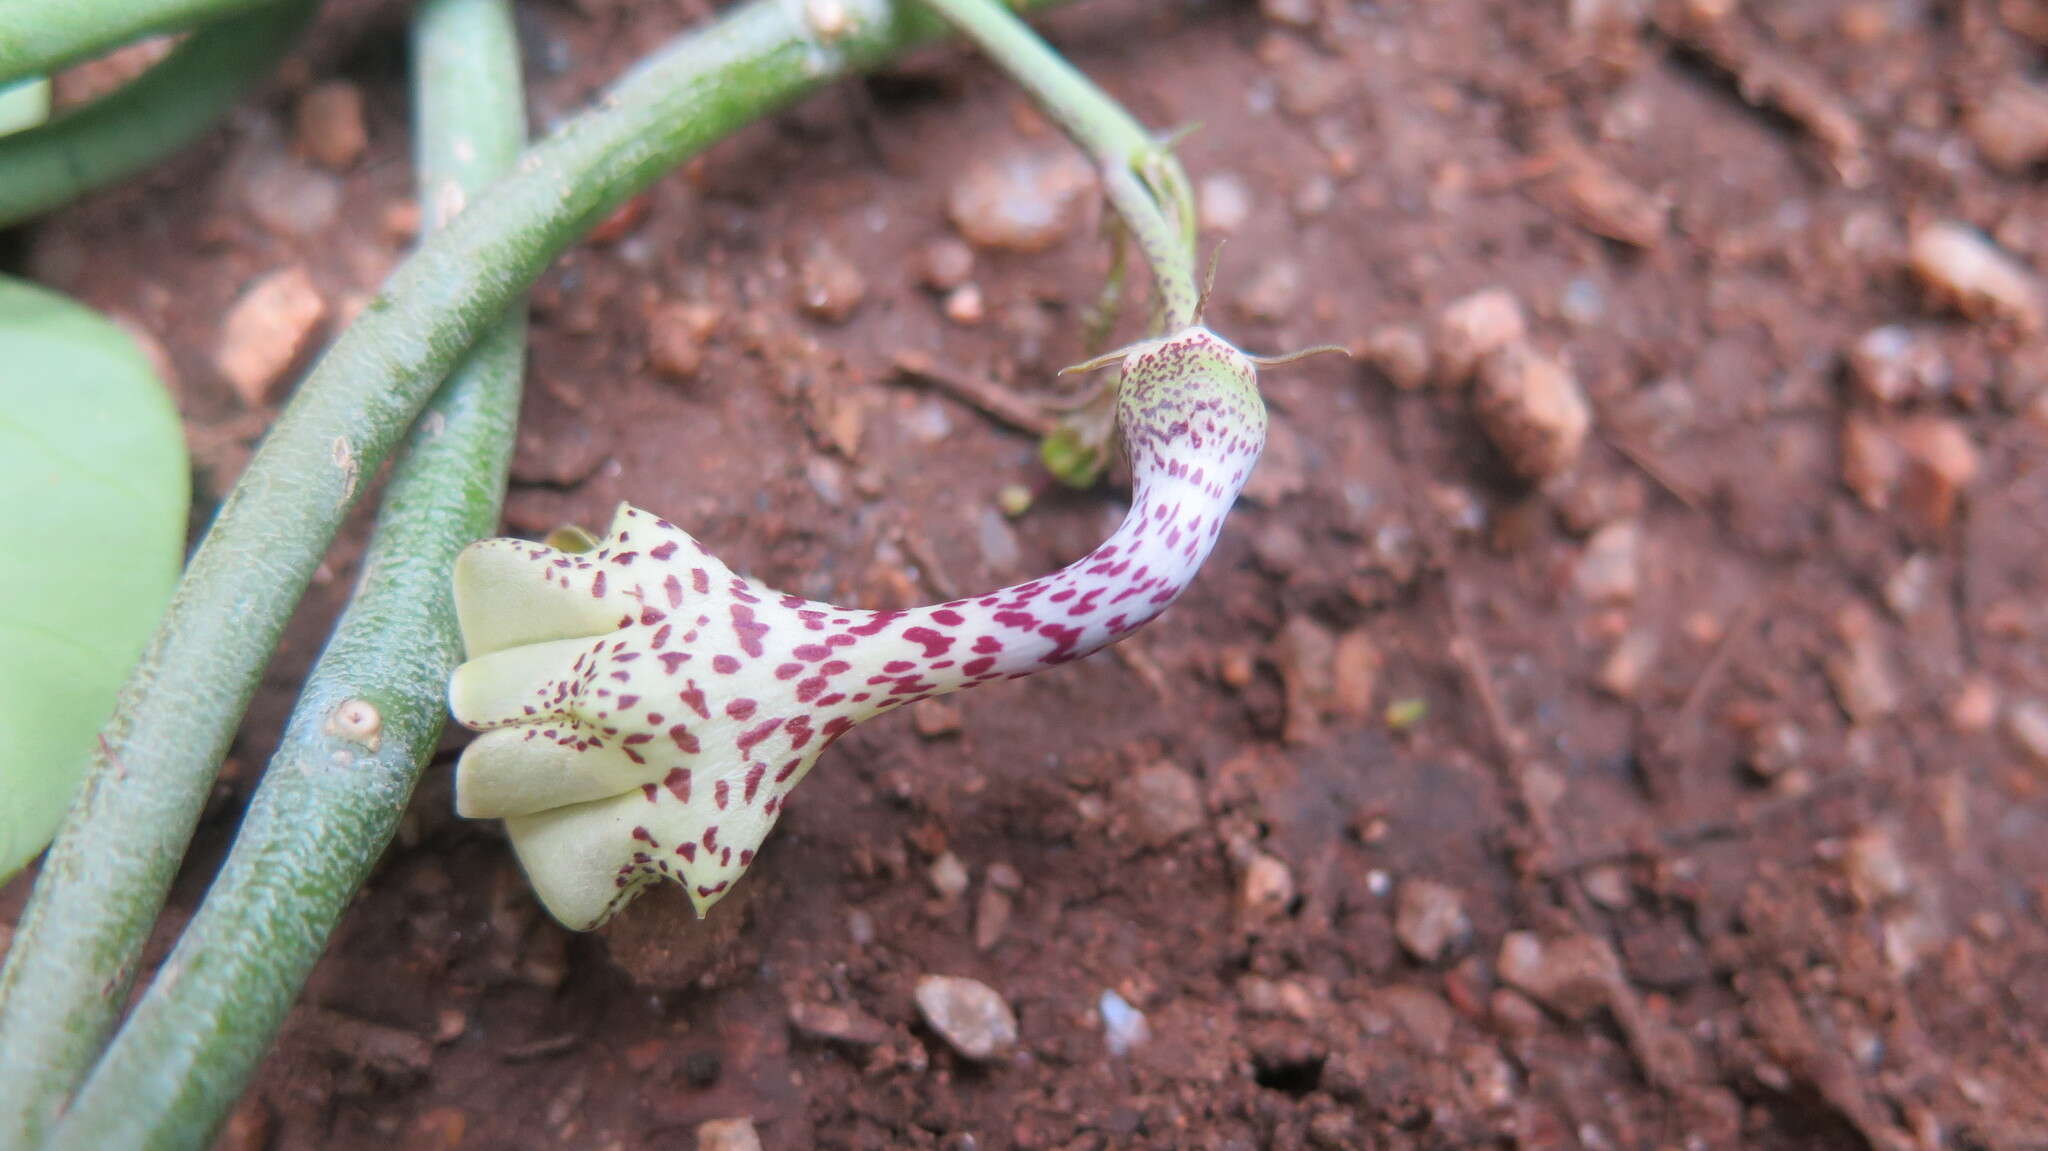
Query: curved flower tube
x=645, y=712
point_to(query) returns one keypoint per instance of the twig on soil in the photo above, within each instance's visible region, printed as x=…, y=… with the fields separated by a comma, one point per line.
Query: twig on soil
x=928, y=563
x=1660, y=475
x=1765, y=78
x=990, y=399
x=371, y=712
x=1469, y=653
x=1140, y=663
x=1674, y=751
x=151, y=117
x=105, y=878
x=543, y=1048
x=1741, y=825
x=37, y=37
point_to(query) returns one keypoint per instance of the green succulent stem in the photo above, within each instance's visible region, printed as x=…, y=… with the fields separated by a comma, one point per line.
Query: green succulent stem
x=78, y=946
x=38, y=37
x=151, y=117
x=371, y=712
x=1140, y=177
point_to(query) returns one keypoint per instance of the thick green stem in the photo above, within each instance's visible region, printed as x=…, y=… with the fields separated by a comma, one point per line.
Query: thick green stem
x=372, y=709
x=158, y=113
x=76, y=950
x=37, y=37
x=1137, y=172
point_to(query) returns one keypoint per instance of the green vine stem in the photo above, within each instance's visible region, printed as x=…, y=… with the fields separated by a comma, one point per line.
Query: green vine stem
x=1142, y=180
x=371, y=711
x=77, y=947
x=38, y=37
x=153, y=116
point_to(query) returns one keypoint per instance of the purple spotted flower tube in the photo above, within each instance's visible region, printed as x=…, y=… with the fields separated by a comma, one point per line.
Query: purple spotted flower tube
x=645, y=713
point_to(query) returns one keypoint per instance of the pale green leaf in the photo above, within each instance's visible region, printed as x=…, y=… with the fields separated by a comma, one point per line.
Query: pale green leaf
x=24, y=104
x=95, y=487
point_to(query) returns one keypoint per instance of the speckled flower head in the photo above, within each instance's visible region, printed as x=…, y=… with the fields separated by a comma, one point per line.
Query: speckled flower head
x=645, y=712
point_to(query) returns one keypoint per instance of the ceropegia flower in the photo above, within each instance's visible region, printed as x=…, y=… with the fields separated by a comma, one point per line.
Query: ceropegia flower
x=645, y=712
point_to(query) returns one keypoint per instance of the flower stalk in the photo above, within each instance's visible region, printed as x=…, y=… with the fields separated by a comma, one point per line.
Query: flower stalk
x=38, y=37
x=149, y=118
x=370, y=714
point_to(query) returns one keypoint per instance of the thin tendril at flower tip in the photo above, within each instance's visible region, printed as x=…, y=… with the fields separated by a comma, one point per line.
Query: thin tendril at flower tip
x=1299, y=354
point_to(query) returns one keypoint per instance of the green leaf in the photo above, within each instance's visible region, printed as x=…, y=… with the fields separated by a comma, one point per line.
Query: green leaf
x=95, y=487
x=24, y=104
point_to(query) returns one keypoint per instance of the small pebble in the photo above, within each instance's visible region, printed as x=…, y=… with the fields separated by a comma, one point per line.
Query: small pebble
x=1774, y=748
x=1582, y=303
x=1872, y=464
x=1975, y=706
x=1236, y=668
x=2026, y=723
x=1474, y=327
x=1430, y=919
x=1162, y=802
x=1513, y=1014
x=676, y=335
x=1531, y=407
x=1622, y=673
x=1399, y=353
x=328, y=123
x=250, y=1126
x=1273, y=291
x=1123, y=1026
x=2010, y=126
x=860, y=927
x=964, y=307
x=832, y=287
x=288, y=197
x=1890, y=366
x=1969, y=273
x=1907, y=589
x=1609, y=570
x=1354, y=675
x=267, y=331
x=992, y=917
x=945, y=263
x=1607, y=204
x=839, y=1024
x=1305, y=654
x=436, y=1129
x=1861, y=673
x=1222, y=202
x=1022, y=201
x=1608, y=886
x=400, y=221
x=1876, y=873
x=1315, y=196
x=1292, y=13
x=935, y=718
x=948, y=876
x=728, y=1135
x=968, y=1014
x=1004, y=877
x=1572, y=975
x=1266, y=888
x=1334, y=1130
x=1941, y=462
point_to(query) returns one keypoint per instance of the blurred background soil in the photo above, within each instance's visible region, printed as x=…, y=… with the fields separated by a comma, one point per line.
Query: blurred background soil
x=1616, y=718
